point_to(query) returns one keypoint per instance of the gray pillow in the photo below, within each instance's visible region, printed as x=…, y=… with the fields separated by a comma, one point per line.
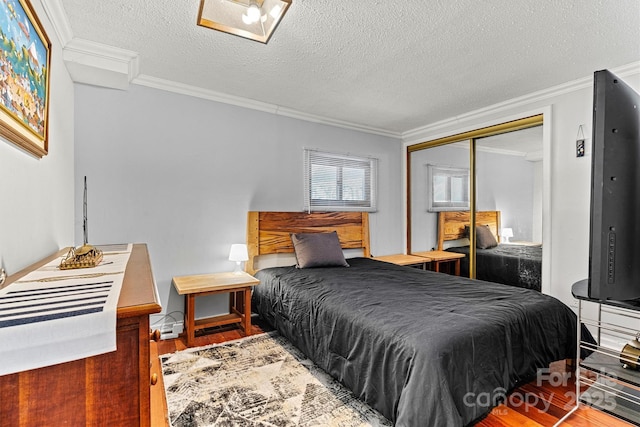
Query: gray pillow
x=318, y=250
x=484, y=237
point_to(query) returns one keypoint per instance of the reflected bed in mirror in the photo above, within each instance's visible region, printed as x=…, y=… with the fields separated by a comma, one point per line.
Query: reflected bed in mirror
x=514, y=264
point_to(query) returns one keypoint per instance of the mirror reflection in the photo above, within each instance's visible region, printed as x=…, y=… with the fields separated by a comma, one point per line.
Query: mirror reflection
x=424, y=216
x=508, y=203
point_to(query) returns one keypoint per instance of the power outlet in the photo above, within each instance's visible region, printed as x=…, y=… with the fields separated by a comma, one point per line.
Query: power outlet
x=171, y=331
x=177, y=328
x=168, y=336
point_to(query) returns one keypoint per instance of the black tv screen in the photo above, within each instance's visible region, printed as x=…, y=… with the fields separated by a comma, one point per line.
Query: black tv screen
x=614, y=259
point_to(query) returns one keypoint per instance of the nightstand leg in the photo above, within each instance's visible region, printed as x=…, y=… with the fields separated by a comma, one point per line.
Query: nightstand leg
x=457, y=266
x=239, y=302
x=189, y=314
x=247, y=311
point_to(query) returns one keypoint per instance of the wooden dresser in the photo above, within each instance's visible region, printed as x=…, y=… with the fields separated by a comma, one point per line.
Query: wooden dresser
x=111, y=389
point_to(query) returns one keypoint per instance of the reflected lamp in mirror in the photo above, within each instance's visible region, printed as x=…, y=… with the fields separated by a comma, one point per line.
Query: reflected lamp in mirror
x=507, y=233
x=238, y=254
x=251, y=19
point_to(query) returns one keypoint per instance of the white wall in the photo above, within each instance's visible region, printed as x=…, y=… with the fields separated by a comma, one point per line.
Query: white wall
x=567, y=178
x=505, y=184
x=36, y=195
x=180, y=173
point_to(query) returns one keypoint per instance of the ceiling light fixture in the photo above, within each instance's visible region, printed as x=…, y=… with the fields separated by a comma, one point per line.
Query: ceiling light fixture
x=254, y=13
x=251, y=19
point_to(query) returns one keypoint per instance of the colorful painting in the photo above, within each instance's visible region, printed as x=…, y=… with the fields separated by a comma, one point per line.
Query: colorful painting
x=24, y=77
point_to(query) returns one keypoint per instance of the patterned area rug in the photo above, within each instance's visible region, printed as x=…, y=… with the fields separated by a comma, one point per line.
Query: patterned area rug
x=257, y=381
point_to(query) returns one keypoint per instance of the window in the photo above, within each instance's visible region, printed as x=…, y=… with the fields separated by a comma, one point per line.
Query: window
x=449, y=188
x=339, y=182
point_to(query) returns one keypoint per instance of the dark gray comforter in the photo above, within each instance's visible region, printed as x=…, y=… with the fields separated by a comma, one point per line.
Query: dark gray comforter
x=509, y=264
x=424, y=348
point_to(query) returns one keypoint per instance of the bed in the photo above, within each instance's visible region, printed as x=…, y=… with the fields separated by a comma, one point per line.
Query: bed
x=421, y=347
x=507, y=263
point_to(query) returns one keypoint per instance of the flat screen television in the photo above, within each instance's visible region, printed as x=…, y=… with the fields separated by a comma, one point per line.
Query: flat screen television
x=614, y=258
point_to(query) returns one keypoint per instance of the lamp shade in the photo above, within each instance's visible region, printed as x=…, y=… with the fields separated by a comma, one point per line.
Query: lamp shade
x=238, y=252
x=507, y=232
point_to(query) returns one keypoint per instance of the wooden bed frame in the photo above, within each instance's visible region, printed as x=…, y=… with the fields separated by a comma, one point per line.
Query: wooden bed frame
x=451, y=225
x=269, y=232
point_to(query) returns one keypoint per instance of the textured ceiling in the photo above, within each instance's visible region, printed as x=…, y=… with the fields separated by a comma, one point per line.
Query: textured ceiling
x=389, y=65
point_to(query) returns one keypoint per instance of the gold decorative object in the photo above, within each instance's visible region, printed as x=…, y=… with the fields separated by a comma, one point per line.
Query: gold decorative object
x=630, y=355
x=86, y=256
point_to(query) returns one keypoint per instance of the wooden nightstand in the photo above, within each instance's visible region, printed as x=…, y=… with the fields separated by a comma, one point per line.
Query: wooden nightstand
x=238, y=285
x=404, y=259
x=439, y=257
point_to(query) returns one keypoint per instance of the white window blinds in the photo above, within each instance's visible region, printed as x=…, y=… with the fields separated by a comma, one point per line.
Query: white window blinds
x=448, y=188
x=339, y=182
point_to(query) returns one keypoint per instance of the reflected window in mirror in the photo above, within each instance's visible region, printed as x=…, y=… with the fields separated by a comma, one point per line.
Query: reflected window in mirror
x=448, y=188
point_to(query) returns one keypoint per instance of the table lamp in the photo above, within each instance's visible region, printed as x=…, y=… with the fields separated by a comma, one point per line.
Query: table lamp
x=238, y=254
x=507, y=233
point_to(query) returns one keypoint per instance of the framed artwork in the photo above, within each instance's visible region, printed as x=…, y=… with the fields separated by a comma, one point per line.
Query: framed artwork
x=25, y=59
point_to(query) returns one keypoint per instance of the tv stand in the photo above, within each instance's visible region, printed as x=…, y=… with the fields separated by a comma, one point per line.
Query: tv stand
x=580, y=291
x=611, y=388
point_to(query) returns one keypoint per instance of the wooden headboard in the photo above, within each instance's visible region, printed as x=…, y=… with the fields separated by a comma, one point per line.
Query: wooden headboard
x=269, y=232
x=451, y=224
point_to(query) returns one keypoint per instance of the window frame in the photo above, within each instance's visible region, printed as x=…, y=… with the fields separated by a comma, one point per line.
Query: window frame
x=340, y=161
x=448, y=172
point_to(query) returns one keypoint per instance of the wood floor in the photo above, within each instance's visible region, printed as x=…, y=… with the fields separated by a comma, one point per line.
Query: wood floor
x=530, y=405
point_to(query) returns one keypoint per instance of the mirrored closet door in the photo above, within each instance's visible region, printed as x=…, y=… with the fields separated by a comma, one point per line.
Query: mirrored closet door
x=501, y=194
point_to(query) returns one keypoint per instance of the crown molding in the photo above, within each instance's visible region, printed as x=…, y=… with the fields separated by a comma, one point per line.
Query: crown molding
x=500, y=151
x=198, y=92
x=424, y=131
x=530, y=156
x=58, y=17
x=100, y=65
x=337, y=123
x=195, y=91
x=522, y=101
x=90, y=62
x=535, y=156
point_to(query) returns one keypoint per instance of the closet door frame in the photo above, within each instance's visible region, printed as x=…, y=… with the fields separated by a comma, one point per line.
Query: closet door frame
x=471, y=137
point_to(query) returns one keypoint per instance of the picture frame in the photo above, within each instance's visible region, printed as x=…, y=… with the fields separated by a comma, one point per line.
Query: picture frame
x=25, y=59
